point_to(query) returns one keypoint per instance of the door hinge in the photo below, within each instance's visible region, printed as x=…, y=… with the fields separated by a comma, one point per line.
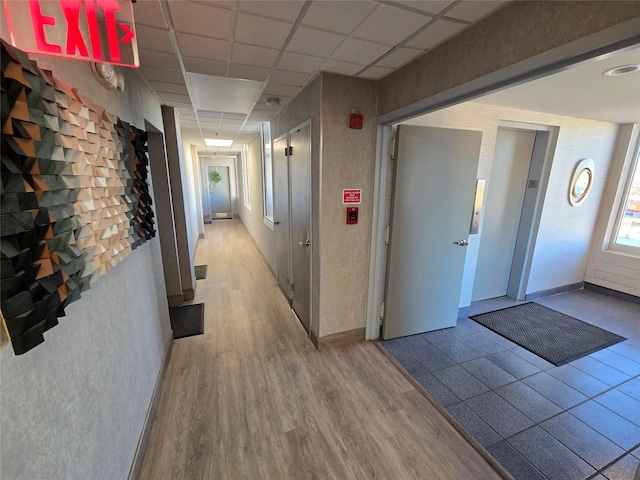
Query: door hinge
x=288, y=150
x=381, y=311
x=386, y=235
x=392, y=147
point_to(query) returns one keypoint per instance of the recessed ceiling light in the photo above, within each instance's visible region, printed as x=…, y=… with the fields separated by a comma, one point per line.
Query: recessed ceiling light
x=217, y=142
x=622, y=70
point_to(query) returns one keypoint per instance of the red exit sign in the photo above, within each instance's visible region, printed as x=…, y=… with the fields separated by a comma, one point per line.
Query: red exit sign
x=92, y=30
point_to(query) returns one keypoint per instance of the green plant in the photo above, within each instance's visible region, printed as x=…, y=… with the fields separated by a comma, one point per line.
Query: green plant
x=216, y=177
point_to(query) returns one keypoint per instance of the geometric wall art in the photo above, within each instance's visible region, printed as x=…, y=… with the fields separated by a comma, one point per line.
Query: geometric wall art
x=74, y=198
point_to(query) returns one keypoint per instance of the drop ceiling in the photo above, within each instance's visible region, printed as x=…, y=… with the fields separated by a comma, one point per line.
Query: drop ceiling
x=218, y=62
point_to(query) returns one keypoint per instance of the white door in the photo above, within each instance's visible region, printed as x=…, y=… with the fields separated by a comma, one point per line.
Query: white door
x=281, y=212
x=503, y=205
x=431, y=214
x=300, y=171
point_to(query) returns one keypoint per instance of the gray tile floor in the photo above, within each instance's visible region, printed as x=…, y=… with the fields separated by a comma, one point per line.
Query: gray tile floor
x=577, y=421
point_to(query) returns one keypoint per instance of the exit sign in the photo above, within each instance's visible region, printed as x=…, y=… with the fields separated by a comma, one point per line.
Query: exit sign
x=92, y=30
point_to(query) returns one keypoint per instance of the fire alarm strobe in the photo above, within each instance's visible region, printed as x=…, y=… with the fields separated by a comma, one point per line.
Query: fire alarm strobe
x=356, y=119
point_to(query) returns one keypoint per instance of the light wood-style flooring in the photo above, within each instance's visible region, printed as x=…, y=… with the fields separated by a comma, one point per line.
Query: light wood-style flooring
x=253, y=399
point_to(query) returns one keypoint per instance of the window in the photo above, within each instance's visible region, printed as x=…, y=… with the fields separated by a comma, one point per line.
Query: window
x=627, y=233
x=267, y=171
x=246, y=188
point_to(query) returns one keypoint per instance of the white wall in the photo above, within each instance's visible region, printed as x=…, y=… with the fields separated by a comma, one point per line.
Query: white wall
x=190, y=187
x=253, y=218
x=74, y=406
x=565, y=232
x=607, y=268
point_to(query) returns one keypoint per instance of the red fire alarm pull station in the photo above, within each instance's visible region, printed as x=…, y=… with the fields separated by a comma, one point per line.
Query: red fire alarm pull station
x=356, y=119
x=352, y=215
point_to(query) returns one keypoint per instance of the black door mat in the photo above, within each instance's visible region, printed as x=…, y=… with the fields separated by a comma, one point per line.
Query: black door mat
x=201, y=272
x=554, y=336
x=187, y=320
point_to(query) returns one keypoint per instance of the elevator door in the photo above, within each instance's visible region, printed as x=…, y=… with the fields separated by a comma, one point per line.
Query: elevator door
x=505, y=195
x=300, y=171
x=281, y=213
x=431, y=214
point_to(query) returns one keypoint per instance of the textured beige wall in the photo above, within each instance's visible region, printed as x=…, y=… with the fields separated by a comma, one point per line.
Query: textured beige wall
x=74, y=407
x=303, y=107
x=348, y=159
x=513, y=34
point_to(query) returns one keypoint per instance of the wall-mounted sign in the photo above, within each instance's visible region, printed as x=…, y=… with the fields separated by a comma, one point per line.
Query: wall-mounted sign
x=351, y=195
x=92, y=30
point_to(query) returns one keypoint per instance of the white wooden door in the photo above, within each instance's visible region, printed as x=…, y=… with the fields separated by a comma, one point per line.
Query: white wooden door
x=431, y=214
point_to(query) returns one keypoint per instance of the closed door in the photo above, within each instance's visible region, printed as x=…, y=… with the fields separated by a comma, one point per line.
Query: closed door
x=431, y=214
x=219, y=192
x=300, y=171
x=281, y=212
x=505, y=195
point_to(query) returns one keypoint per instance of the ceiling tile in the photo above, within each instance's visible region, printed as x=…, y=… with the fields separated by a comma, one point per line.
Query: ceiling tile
x=165, y=87
x=296, y=62
x=340, y=17
x=435, y=34
x=171, y=103
x=287, y=11
x=154, y=39
x=206, y=67
x=399, y=57
x=251, y=55
x=315, y=42
x=344, y=68
x=473, y=11
x=161, y=75
x=376, y=72
x=389, y=25
x=148, y=12
x=273, y=89
x=234, y=117
x=429, y=6
x=261, y=31
x=203, y=47
x=151, y=58
x=359, y=51
x=248, y=72
x=289, y=78
x=209, y=115
x=175, y=97
x=201, y=19
x=261, y=116
x=221, y=94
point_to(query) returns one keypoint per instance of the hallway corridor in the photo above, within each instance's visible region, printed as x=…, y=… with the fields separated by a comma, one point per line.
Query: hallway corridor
x=253, y=399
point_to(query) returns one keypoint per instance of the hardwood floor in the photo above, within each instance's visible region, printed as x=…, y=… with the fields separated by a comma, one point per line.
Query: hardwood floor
x=253, y=399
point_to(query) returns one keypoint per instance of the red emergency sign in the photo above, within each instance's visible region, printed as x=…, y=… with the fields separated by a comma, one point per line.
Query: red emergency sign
x=92, y=30
x=351, y=195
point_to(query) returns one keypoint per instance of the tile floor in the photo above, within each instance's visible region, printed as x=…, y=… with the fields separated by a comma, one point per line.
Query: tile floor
x=575, y=422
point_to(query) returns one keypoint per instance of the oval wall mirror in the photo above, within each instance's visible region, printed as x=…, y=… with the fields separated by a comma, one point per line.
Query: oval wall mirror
x=581, y=181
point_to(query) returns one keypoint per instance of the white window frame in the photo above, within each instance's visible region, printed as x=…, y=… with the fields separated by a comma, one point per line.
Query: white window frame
x=631, y=169
x=246, y=184
x=267, y=174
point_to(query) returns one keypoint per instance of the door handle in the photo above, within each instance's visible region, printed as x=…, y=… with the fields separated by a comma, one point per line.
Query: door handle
x=306, y=243
x=462, y=243
x=277, y=222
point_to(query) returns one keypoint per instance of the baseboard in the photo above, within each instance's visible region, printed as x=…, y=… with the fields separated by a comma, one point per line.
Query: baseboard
x=175, y=300
x=143, y=442
x=554, y=291
x=189, y=294
x=337, y=339
x=610, y=292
